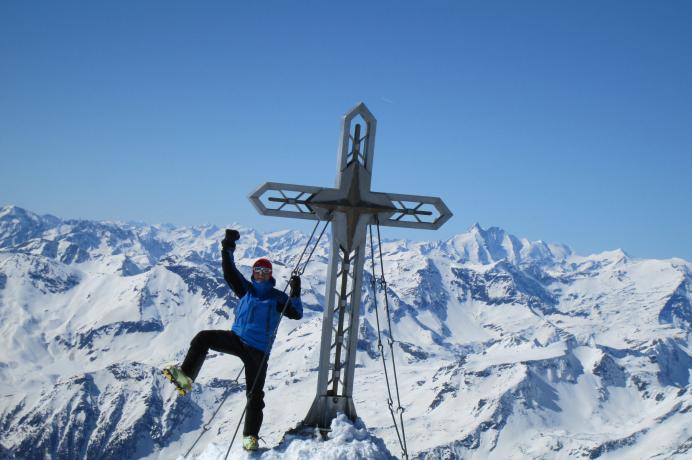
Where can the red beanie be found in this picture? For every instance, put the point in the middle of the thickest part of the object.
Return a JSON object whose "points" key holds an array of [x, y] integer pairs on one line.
{"points": [[263, 263]]}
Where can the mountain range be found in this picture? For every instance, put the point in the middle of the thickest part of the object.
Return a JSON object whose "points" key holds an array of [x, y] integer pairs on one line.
{"points": [[505, 347]]}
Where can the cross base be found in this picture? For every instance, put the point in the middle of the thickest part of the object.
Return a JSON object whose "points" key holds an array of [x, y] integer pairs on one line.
{"points": [[325, 408]]}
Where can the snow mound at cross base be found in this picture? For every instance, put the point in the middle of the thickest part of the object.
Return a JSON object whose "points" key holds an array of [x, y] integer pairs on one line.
{"points": [[346, 441]]}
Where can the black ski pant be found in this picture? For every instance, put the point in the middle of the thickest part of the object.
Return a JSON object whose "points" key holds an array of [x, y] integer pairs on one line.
{"points": [[229, 342]]}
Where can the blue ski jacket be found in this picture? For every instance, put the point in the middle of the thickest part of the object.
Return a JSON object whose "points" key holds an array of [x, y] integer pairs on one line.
{"points": [[259, 309]]}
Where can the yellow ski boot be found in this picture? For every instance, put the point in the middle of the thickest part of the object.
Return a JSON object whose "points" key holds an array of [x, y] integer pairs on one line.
{"points": [[250, 443], [182, 382]]}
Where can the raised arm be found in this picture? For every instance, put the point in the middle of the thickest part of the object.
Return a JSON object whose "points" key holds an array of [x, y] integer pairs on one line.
{"points": [[231, 274]]}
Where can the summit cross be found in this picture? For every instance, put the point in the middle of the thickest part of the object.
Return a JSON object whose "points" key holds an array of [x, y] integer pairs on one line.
{"points": [[351, 206]]}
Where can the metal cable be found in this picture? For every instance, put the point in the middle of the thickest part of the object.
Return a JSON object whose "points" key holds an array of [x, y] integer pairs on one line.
{"points": [[276, 329], [380, 347], [300, 272], [400, 409], [305, 248], [207, 426]]}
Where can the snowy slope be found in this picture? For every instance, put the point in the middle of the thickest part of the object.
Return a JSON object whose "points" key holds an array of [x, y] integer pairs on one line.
{"points": [[506, 348], [345, 441]]}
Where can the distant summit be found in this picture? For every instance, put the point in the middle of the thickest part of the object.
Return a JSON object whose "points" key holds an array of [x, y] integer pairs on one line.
{"points": [[483, 246], [18, 225]]}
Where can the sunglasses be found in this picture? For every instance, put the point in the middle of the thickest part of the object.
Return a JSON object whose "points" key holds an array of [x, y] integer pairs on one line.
{"points": [[262, 270]]}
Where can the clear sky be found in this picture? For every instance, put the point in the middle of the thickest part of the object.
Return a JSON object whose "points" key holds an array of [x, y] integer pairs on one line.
{"points": [[565, 121]]}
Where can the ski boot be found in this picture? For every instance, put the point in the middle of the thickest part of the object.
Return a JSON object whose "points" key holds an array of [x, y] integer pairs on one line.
{"points": [[182, 382], [250, 443]]}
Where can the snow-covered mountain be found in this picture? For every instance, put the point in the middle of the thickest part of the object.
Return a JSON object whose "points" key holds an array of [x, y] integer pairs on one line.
{"points": [[506, 348]]}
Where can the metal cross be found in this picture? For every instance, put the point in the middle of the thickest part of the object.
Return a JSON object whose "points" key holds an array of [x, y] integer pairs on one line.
{"points": [[350, 206]]}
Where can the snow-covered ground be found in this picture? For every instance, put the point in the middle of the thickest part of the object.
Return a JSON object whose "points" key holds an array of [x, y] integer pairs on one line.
{"points": [[505, 347], [346, 441]]}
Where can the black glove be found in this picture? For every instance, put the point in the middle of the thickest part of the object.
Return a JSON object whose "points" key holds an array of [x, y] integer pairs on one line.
{"points": [[295, 286], [229, 241]]}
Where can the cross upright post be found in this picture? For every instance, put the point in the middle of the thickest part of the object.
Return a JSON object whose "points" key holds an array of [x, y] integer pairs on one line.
{"points": [[351, 206]]}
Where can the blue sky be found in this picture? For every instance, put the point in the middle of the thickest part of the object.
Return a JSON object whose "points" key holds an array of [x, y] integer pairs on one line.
{"points": [[564, 121]]}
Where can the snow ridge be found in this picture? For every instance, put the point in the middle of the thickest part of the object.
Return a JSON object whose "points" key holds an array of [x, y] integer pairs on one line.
{"points": [[505, 347]]}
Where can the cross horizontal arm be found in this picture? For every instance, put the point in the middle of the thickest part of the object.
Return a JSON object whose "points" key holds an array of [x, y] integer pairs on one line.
{"points": [[286, 200], [415, 211]]}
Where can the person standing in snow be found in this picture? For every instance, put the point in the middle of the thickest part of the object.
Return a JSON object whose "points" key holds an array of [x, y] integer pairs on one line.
{"points": [[256, 317]]}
